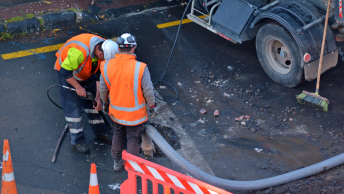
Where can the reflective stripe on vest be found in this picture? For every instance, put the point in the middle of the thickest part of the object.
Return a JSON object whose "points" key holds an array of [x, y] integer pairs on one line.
{"points": [[135, 92], [136, 85], [105, 72], [128, 109], [84, 46], [129, 122]]}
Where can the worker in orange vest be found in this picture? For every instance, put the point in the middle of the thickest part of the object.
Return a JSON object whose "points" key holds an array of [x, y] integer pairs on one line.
{"points": [[77, 66], [126, 86]]}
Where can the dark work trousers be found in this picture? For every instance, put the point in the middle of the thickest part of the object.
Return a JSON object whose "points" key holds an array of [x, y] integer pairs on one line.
{"points": [[133, 138], [72, 105]]}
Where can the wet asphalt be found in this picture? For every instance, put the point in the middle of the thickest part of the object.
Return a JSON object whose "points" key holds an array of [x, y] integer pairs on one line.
{"points": [[208, 72]]}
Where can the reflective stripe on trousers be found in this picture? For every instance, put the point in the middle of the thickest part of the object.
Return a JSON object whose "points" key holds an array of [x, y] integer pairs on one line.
{"points": [[72, 106]]}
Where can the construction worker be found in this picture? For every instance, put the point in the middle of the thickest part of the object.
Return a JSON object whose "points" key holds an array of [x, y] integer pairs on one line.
{"points": [[77, 66], [126, 86]]}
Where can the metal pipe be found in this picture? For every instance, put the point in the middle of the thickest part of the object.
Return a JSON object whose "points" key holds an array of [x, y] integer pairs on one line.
{"points": [[268, 6], [240, 185], [211, 13], [315, 22]]}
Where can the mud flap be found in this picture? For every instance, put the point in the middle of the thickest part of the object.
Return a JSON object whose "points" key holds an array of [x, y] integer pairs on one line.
{"points": [[329, 61], [232, 18]]}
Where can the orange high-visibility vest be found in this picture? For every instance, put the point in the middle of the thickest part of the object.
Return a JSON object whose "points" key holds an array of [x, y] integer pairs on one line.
{"points": [[82, 43], [123, 75]]}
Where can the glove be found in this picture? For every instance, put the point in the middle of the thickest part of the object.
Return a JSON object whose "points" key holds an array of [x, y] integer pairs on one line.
{"points": [[152, 110], [105, 107]]}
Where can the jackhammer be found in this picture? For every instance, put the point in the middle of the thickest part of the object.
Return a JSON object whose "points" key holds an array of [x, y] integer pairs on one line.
{"points": [[90, 97]]}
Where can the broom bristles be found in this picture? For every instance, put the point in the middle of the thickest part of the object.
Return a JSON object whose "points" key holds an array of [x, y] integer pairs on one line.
{"points": [[313, 101]]}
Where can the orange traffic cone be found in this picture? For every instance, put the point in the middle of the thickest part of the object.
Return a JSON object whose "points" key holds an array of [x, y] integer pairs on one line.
{"points": [[167, 190], [94, 187], [8, 184]]}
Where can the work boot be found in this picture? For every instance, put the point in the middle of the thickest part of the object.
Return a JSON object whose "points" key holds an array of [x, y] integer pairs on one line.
{"points": [[107, 137], [82, 148], [118, 166]]}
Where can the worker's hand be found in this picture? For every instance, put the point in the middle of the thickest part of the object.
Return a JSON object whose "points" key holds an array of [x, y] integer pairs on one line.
{"points": [[81, 91], [106, 107], [98, 106], [152, 110]]}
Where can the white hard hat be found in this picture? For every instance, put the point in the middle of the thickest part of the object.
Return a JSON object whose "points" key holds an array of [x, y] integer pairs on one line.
{"points": [[126, 40], [110, 48]]}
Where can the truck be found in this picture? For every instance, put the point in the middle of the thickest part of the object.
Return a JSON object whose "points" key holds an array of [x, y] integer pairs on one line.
{"points": [[288, 33]]}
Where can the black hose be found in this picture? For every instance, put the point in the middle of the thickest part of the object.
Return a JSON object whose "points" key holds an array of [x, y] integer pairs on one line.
{"points": [[51, 100], [67, 88], [169, 59]]}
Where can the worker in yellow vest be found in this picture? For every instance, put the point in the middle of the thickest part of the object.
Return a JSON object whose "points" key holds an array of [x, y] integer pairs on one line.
{"points": [[77, 66], [126, 86]]}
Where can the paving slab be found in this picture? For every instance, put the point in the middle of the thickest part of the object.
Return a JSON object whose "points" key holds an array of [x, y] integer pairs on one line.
{"points": [[10, 12]]}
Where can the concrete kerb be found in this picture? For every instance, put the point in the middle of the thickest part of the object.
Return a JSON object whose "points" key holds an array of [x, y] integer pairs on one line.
{"points": [[2, 28], [59, 20], [68, 18], [26, 26], [48, 21]]}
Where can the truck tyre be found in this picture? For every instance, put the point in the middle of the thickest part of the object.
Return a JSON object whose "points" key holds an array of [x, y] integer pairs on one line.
{"points": [[279, 55]]}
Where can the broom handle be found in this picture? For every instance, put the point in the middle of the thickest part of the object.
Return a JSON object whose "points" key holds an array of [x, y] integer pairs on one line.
{"points": [[322, 48]]}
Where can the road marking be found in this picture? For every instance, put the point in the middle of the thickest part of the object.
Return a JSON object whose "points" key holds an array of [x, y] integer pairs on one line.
{"points": [[56, 47], [29, 52], [188, 149], [175, 23], [115, 186]]}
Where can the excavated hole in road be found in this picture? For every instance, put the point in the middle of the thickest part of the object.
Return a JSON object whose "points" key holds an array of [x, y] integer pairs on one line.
{"points": [[170, 136]]}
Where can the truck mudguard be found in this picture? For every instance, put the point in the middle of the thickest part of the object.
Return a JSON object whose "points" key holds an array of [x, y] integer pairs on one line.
{"points": [[293, 15]]}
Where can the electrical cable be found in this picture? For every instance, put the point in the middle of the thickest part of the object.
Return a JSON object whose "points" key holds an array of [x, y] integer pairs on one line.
{"points": [[169, 59], [51, 100], [65, 87]]}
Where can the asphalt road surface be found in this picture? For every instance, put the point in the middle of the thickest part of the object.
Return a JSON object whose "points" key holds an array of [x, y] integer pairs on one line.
{"points": [[278, 136]]}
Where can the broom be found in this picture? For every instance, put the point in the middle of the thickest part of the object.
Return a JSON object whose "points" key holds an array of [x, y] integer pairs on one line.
{"points": [[314, 99]]}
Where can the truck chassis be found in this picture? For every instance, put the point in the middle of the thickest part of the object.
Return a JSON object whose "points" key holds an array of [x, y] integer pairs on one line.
{"points": [[288, 33]]}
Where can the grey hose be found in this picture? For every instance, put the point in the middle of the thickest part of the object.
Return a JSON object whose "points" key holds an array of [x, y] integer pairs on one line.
{"points": [[240, 185]]}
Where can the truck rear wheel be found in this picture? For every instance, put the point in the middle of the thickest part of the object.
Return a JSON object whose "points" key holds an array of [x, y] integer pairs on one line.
{"points": [[279, 55]]}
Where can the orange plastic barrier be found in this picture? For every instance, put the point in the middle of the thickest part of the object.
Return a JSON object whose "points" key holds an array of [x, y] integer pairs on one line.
{"points": [[8, 184], [168, 178], [94, 187]]}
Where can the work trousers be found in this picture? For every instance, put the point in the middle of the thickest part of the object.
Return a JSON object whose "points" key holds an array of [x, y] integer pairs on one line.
{"points": [[133, 138], [72, 105]]}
